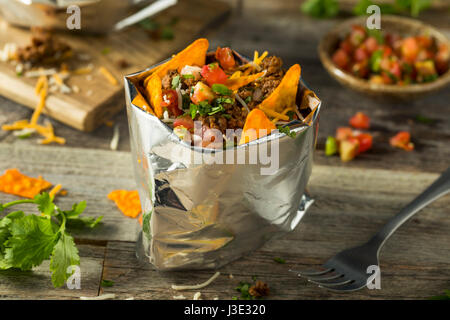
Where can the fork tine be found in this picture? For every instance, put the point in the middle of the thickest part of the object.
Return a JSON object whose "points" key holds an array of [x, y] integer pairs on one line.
{"points": [[314, 273], [322, 278], [329, 285], [347, 287]]}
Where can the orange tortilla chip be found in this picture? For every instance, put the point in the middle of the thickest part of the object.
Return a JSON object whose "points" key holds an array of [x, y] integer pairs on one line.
{"points": [[192, 55], [238, 82], [256, 125], [140, 101], [285, 94], [14, 182], [154, 92], [127, 201]]}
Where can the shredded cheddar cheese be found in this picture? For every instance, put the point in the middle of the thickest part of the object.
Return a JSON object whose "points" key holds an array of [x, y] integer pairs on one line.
{"points": [[14, 182], [274, 114], [55, 191], [127, 201], [46, 131], [108, 75]]}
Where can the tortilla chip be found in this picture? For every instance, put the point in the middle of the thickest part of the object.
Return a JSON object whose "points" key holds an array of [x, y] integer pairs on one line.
{"points": [[192, 55], [154, 92], [256, 120], [14, 182], [127, 201], [238, 82], [285, 94], [140, 101]]}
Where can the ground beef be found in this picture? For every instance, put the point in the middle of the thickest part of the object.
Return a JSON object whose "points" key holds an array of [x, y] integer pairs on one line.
{"points": [[44, 49], [260, 90], [167, 79]]}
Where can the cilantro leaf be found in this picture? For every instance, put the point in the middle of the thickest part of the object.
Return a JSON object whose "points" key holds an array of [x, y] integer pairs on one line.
{"points": [[77, 209], [64, 255], [31, 242], [79, 223], [221, 89], [320, 8], [279, 260], [107, 283], [45, 204], [175, 82], [287, 131]]}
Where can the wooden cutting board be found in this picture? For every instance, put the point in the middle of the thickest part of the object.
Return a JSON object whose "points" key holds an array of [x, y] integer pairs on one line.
{"points": [[98, 99]]}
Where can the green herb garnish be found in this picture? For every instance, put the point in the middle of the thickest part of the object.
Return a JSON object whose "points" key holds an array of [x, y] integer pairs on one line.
{"points": [[107, 283], [248, 99], [445, 296], [243, 288], [188, 76], [175, 82], [287, 131], [320, 8], [279, 260], [375, 60], [106, 50], [221, 89], [424, 120], [27, 240]]}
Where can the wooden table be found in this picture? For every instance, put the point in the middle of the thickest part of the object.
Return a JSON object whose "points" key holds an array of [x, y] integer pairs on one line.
{"points": [[352, 200]]}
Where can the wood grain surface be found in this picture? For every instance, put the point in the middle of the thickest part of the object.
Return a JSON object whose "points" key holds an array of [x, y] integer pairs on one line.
{"points": [[351, 204], [353, 200], [97, 99]]}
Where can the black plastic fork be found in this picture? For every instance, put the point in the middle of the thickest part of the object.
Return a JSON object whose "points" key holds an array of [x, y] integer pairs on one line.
{"points": [[348, 270]]}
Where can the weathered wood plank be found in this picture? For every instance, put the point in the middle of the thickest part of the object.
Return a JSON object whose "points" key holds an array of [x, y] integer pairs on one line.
{"points": [[37, 284], [265, 21], [415, 262], [87, 175]]}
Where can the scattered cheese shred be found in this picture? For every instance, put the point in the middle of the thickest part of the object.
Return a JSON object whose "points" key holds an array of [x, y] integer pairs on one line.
{"points": [[37, 112], [55, 191], [127, 201], [197, 296], [14, 182], [102, 297], [46, 131], [197, 286], [274, 114], [108, 75]]}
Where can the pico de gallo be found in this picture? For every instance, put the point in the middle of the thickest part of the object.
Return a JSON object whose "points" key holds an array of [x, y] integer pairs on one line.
{"points": [[221, 90], [387, 58]]}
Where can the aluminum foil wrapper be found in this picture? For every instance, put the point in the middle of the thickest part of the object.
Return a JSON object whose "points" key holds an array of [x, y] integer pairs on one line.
{"points": [[98, 16], [204, 215]]}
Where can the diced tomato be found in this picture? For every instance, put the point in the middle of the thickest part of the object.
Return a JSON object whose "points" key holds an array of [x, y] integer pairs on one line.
{"points": [[343, 133], [213, 74], [387, 51], [424, 41], [341, 59], [346, 46], [442, 58], [170, 101], [410, 49], [402, 140], [184, 121], [349, 149], [201, 93], [360, 54], [361, 69], [365, 142], [371, 44], [357, 35], [360, 121], [225, 57]]}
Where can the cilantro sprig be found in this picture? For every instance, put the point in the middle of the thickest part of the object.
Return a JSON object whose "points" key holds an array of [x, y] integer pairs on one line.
{"points": [[27, 240], [287, 131]]}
